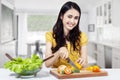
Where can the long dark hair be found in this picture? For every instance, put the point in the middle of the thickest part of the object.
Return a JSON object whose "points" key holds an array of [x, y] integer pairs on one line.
{"points": [[73, 35]]}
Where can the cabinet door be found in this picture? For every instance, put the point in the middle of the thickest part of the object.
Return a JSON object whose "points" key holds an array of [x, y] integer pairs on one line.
{"points": [[91, 53], [115, 58], [9, 48], [108, 57], [100, 56], [91, 49], [116, 13]]}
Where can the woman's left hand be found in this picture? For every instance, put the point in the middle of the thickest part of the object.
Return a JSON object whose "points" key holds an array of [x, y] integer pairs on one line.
{"points": [[82, 61]]}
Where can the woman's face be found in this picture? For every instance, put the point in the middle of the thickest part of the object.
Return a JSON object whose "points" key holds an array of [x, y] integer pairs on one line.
{"points": [[70, 19]]}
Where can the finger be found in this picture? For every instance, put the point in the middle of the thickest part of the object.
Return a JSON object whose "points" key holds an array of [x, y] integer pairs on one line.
{"points": [[66, 55], [82, 62], [63, 56], [79, 60]]}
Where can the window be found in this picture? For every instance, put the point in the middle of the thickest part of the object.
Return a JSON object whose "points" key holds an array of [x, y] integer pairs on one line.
{"points": [[7, 24], [40, 22]]}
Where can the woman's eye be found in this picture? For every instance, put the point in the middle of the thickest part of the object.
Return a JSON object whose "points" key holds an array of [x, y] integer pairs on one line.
{"points": [[77, 17], [70, 16]]}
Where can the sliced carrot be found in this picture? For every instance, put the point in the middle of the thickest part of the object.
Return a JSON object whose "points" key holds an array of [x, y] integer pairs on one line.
{"points": [[61, 68], [68, 70]]}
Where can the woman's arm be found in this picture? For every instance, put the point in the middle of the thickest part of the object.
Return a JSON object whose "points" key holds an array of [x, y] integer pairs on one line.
{"points": [[48, 53], [62, 52], [83, 58]]}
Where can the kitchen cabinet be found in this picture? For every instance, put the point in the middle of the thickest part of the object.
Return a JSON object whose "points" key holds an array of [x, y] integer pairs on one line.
{"points": [[115, 58], [91, 53], [108, 57], [104, 13], [107, 13], [9, 48], [7, 45], [0, 16], [107, 54], [100, 55], [115, 12], [91, 49]]}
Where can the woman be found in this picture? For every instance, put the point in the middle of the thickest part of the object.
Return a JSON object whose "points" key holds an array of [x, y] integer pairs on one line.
{"points": [[66, 40]]}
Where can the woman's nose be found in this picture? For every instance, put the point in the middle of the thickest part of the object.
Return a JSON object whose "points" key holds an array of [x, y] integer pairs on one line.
{"points": [[72, 20]]}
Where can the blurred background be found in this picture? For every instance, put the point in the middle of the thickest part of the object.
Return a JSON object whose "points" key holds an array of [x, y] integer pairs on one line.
{"points": [[23, 22]]}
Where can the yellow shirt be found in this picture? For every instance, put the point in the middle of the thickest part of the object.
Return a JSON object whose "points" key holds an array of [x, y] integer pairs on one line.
{"points": [[74, 55]]}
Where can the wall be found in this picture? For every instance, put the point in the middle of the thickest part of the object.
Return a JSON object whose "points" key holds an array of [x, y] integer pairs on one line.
{"points": [[49, 5], [84, 22], [9, 47], [92, 20], [22, 33]]}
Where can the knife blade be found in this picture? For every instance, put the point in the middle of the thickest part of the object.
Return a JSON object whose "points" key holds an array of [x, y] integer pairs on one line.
{"points": [[72, 63]]}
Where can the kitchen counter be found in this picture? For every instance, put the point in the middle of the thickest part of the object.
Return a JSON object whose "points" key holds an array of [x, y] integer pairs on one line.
{"points": [[113, 74], [108, 43]]}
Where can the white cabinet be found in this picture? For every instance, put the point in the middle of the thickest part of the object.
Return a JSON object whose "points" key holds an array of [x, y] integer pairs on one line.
{"points": [[91, 53], [115, 58], [91, 49], [116, 12], [104, 13], [107, 12], [100, 55], [7, 45], [108, 56], [9, 48]]}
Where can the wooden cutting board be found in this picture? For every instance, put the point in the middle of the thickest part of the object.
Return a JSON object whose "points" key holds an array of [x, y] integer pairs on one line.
{"points": [[82, 74]]}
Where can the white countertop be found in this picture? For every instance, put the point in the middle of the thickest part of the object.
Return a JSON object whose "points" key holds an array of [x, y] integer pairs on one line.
{"points": [[113, 74], [108, 43]]}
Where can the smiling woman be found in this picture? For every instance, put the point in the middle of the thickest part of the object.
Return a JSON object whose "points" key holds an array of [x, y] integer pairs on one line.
{"points": [[66, 40]]}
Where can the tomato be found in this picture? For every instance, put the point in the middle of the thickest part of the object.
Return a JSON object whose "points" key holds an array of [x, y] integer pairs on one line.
{"points": [[93, 68], [96, 68], [67, 70], [61, 68]]}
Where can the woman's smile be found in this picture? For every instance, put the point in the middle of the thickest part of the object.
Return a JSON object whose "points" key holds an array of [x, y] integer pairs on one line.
{"points": [[71, 24]]}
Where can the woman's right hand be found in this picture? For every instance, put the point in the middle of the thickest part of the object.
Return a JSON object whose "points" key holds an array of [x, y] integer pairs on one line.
{"points": [[63, 52]]}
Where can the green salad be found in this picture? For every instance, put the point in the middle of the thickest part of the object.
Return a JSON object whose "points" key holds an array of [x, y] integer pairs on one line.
{"points": [[19, 65]]}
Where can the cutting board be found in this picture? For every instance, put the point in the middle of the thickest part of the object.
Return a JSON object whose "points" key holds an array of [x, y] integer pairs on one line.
{"points": [[82, 74]]}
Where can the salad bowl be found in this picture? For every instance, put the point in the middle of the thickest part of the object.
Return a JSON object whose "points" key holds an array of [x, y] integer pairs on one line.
{"points": [[27, 66]]}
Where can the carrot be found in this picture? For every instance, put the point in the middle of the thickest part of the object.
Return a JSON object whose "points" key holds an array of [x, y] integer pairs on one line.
{"points": [[68, 70]]}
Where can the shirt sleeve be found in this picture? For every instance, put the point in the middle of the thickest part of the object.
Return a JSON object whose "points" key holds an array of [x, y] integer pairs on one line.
{"points": [[49, 37], [84, 39]]}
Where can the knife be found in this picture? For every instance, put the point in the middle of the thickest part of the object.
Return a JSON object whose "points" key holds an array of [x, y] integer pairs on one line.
{"points": [[72, 63]]}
